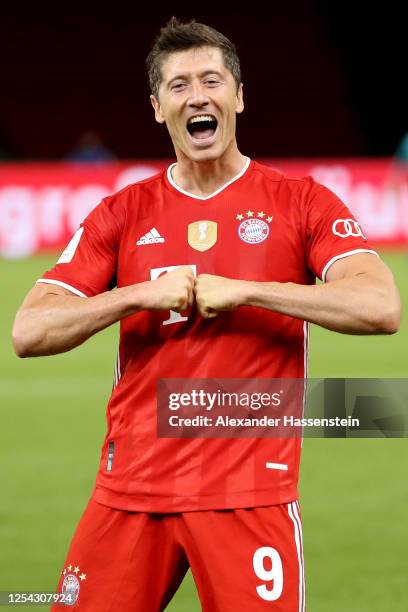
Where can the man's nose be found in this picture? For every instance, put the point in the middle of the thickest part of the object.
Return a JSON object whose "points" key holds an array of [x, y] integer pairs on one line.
{"points": [[198, 95]]}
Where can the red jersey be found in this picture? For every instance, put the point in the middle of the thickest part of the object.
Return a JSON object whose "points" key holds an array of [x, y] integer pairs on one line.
{"points": [[260, 226]]}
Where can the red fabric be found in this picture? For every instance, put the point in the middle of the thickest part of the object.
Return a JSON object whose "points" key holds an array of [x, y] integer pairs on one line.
{"points": [[134, 562], [293, 242]]}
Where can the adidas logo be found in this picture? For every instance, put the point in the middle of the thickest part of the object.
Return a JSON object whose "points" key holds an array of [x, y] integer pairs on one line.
{"points": [[152, 237]]}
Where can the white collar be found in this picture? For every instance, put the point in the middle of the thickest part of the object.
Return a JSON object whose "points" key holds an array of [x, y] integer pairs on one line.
{"points": [[197, 197]]}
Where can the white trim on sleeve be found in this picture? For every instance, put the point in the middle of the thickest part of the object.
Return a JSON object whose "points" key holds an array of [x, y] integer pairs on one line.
{"points": [[61, 284], [346, 254]]}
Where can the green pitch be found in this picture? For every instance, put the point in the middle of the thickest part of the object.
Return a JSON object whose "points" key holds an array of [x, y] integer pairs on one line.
{"points": [[353, 492]]}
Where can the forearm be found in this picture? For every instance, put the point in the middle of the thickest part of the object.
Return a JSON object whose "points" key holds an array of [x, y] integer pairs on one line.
{"points": [[51, 320], [59, 323], [351, 305]]}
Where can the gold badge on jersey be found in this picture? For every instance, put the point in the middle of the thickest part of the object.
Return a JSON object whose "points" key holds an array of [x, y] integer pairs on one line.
{"points": [[202, 235]]}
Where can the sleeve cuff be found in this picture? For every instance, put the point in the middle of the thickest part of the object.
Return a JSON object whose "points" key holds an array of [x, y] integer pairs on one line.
{"points": [[341, 256], [61, 284]]}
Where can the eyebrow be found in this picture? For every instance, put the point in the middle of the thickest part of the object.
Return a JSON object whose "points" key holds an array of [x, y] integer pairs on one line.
{"points": [[186, 77]]}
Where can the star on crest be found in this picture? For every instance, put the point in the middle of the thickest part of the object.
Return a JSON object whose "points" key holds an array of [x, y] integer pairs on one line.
{"points": [[76, 569], [250, 213]]}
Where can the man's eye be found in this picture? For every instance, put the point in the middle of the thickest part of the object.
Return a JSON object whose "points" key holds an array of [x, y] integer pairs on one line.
{"points": [[212, 82], [177, 86]]}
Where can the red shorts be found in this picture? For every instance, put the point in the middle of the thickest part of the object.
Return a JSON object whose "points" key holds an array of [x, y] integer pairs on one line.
{"points": [[246, 559]]}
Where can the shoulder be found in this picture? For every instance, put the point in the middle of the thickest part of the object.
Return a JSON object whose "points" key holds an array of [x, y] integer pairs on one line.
{"points": [[129, 192], [304, 184], [297, 192], [117, 206]]}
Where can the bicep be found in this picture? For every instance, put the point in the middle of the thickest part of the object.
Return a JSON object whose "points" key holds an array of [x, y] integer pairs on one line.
{"points": [[40, 291], [367, 264]]}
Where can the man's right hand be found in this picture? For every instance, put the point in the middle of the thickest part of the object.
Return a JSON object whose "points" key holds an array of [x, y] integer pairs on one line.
{"points": [[172, 291]]}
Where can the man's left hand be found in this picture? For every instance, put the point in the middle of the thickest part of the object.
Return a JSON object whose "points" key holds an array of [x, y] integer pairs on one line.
{"points": [[215, 294]]}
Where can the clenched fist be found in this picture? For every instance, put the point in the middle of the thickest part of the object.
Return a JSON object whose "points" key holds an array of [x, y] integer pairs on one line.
{"points": [[171, 291], [215, 294]]}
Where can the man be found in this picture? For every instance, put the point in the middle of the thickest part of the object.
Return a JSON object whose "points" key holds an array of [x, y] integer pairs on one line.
{"points": [[214, 264]]}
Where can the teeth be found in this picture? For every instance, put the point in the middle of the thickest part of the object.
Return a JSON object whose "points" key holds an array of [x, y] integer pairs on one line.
{"points": [[201, 118]]}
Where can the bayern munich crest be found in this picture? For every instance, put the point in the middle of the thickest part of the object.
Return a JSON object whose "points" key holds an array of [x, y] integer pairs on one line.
{"points": [[255, 227], [71, 584]]}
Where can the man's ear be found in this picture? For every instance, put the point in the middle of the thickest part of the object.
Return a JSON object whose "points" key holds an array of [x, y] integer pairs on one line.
{"points": [[240, 99], [157, 109]]}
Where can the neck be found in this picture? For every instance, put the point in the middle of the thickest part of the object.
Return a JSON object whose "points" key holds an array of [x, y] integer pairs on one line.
{"points": [[205, 177]]}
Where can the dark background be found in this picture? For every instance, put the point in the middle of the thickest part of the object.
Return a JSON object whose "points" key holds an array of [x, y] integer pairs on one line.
{"points": [[320, 78]]}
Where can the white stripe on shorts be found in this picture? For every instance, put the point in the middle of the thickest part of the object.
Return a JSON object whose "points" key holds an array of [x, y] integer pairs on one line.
{"points": [[295, 517], [276, 466]]}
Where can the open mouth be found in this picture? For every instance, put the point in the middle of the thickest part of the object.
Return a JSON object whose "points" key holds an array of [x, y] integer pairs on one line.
{"points": [[202, 127]]}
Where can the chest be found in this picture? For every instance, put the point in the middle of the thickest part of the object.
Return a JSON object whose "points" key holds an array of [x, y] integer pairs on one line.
{"points": [[242, 237]]}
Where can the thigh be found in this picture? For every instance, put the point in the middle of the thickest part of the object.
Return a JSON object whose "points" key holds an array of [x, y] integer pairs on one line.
{"points": [[247, 559], [127, 561]]}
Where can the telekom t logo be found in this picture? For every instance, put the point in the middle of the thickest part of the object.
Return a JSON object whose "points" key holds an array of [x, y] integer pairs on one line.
{"points": [[175, 317]]}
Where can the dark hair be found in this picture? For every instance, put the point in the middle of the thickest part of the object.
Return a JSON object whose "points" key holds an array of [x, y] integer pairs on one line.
{"points": [[178, 36]]}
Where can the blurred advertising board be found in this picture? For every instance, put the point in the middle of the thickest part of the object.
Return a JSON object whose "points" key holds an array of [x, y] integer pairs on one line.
{"points": [[42, 204]]}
